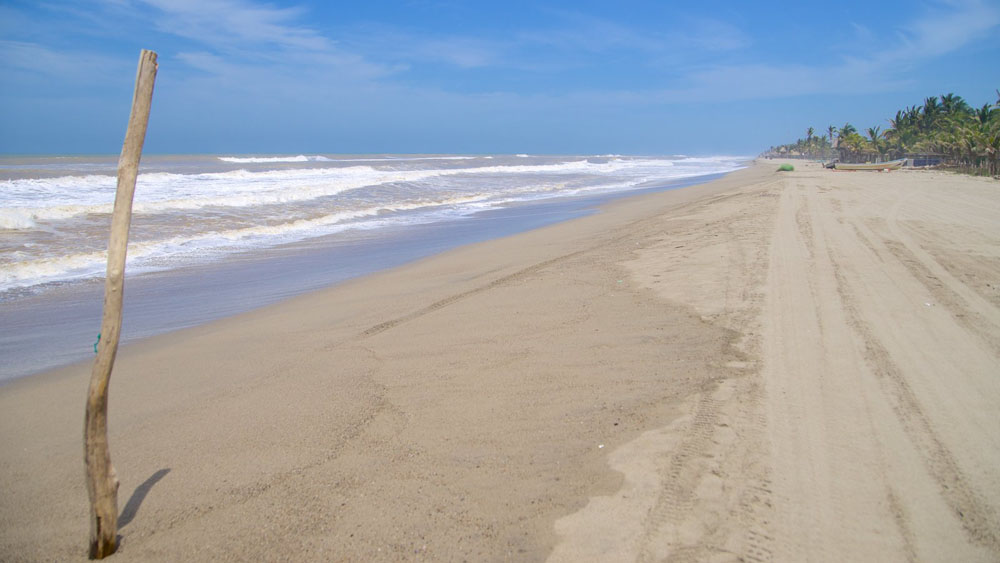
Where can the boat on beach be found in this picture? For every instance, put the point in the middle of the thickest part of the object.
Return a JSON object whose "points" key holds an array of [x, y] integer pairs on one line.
{"points": [[890, 165]]}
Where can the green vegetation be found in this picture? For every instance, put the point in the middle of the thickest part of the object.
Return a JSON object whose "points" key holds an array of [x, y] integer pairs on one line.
{"points": [[811, 146], [964, 138]]}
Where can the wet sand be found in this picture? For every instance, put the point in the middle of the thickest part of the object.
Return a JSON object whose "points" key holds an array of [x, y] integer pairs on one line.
{"points": [[771, 366]]}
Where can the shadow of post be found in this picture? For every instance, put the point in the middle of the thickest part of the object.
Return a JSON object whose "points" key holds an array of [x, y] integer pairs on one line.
{"points": [[132, 506]]}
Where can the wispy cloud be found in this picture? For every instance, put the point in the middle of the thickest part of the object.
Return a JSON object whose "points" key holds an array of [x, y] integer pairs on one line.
{"points": [[581, 33], [258, 43], [231, 25], [394, 46], [944, 29], [713, 35], [572, 40], [937, 32], [763, 81], [35, 59]]}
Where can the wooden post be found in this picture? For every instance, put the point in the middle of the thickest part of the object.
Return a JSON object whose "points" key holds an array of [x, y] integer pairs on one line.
{"points": [[102, 483]]}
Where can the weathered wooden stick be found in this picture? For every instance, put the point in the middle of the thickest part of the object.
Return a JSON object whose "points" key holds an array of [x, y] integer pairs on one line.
{"points": [[102, 483]]}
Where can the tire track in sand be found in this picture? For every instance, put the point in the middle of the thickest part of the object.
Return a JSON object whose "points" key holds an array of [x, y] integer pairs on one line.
{"points": [[976, 517]]}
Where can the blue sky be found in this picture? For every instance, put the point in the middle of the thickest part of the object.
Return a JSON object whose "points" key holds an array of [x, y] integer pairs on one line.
{"points": [[707, 77]]}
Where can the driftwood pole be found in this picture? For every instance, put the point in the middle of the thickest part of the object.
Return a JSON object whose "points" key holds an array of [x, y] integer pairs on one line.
{"points": [[102, 483]]}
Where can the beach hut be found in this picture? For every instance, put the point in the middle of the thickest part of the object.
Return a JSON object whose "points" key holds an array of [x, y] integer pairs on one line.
{"points": [[921, 160]]}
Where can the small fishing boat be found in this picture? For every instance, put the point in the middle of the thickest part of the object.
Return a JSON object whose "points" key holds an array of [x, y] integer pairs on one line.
{"points": [[890, 165]]}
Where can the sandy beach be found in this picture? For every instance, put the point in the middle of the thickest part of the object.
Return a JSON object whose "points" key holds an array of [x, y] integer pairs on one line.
{"points": [[769, 367]]}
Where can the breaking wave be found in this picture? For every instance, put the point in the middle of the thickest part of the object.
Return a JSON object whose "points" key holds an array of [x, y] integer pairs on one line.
{"points": [[272, 159], [55, 227]]}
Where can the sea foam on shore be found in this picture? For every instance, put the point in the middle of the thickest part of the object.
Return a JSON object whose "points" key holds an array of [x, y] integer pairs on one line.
{"points": [[54, 211]]}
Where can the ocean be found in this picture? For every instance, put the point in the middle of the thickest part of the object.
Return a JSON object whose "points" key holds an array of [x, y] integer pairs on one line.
{"points": [[214, 235]]}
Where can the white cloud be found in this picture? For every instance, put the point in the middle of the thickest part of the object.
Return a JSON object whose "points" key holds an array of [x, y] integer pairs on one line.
{"points": [[758, 81], [255, 41], [714, 35], [228, 24], [206, 62], [572, 41], [72, 65], [945, 29], [466, 52], [936, 33], [584, 34]]}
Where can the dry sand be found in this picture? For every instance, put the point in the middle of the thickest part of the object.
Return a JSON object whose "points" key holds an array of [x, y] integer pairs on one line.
{"points": [[770, 367]]}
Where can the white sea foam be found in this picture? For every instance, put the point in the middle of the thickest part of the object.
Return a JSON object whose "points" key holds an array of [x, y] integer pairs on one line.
{"points": [[456, 157], [319, 158], [31, 200], [17, 219], [156, 255], [182, 218], [272, 159]]}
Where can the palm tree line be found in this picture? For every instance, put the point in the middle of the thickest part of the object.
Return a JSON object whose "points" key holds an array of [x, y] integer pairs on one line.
{"points": [[947, 127]]}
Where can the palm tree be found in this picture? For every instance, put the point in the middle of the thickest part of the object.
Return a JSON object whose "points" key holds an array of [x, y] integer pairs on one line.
{"points": [[984, 114], [967, 138], [932, 109], [897, 122], [902, 134], [849, 143], [993, 152], [873, 137], [952, 104]]}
